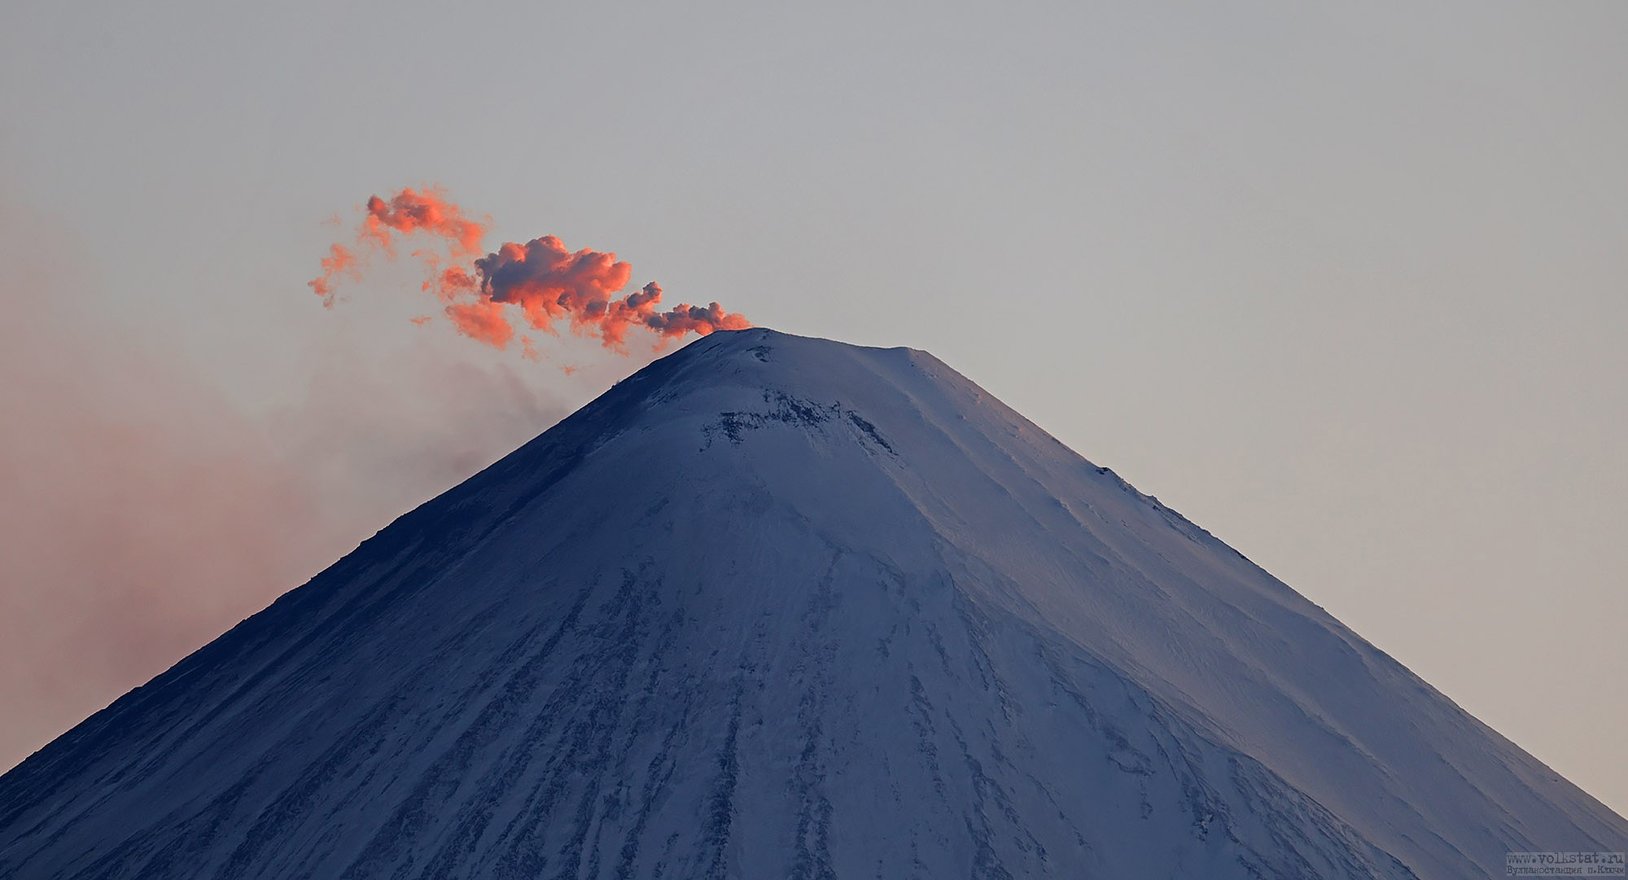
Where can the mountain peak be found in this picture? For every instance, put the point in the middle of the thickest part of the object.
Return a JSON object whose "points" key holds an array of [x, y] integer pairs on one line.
{"points": [[780, 606], [762, 357]]}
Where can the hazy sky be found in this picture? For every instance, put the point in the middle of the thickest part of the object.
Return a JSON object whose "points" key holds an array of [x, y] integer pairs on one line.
{"points": [[1348, 287]]}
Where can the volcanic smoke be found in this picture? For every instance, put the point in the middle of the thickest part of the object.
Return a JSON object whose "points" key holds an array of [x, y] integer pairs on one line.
{"points": [[547, 281]]}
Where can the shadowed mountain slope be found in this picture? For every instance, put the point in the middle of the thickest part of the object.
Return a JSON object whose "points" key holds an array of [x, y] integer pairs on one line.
{"points": [[783, 607]]}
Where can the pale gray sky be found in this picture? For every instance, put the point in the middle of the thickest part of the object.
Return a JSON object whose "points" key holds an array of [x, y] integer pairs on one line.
{"points": [[1347, 286]]}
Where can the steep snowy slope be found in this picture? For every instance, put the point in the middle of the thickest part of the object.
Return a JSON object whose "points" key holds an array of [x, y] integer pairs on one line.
{"points": [[773, 607]]}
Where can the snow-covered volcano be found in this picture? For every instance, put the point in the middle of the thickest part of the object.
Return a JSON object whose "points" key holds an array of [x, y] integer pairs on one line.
{"points": [[783, 607]]}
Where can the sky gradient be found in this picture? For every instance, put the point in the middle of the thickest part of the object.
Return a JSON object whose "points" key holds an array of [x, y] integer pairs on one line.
{"points": [[1347, 287]]}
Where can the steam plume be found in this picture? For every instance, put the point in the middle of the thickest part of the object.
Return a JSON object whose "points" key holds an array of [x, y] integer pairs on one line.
{"points": [[409, 211], [543, 280]]}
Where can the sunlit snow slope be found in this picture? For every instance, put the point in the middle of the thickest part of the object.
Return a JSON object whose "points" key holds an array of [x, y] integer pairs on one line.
{"points": [[782, 607]]}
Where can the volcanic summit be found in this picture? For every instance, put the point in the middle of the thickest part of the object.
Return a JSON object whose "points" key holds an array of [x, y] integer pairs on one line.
{"points": [[784, 607]]}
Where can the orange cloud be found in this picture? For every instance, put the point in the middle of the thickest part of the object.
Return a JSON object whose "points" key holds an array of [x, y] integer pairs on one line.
{"points": [[482, 321], [547, 282], [410, 211], [340, 260]]}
